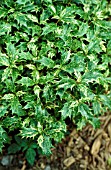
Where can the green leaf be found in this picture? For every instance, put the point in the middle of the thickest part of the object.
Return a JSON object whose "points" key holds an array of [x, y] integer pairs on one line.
{"points": [[91, 77], [14, 148], [29, 132], [21, 18], [96, 107], [3, 110], [51, 27], [36, 30], [16, 107], [81, 123], [95, 122], [66, 83], [8, 96], [106, 100], [82, 29], [25, 81], [3, 12], [37, 90], [53, 9], [66, 111], [40, 140], [11, 49], [66, 15], [84, 110], [30, 156], [12, 122], [3, 138], [25, 56], [29, 105], [45, 144], [4, 60], [21, 142], [47, 1], [32, 18], [33, 145], [46, 62], [15, 74], [5, 28], [108, 47], [22, 1]]}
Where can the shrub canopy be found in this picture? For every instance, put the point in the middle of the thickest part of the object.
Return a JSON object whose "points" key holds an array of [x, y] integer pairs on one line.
{"points": [[55, 63]]}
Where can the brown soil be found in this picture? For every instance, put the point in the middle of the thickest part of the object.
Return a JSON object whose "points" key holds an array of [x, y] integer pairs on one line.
{"points": [[88, 149]]}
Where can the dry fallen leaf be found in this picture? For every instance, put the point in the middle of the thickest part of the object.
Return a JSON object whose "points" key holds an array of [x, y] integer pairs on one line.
{"points": [[109, 147], [71, 143], [105, 135], [107, 121], [109, 130], [98, 132], [86, 147], [68, 150], [73, 133], [69, 161], [96, 145]]}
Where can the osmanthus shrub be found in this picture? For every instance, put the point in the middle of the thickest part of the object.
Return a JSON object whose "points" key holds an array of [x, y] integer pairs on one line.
{"points": [[55, 63]]}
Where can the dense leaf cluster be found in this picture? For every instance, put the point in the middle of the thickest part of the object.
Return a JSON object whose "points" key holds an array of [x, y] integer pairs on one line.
{"points": [[55, 63]]}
